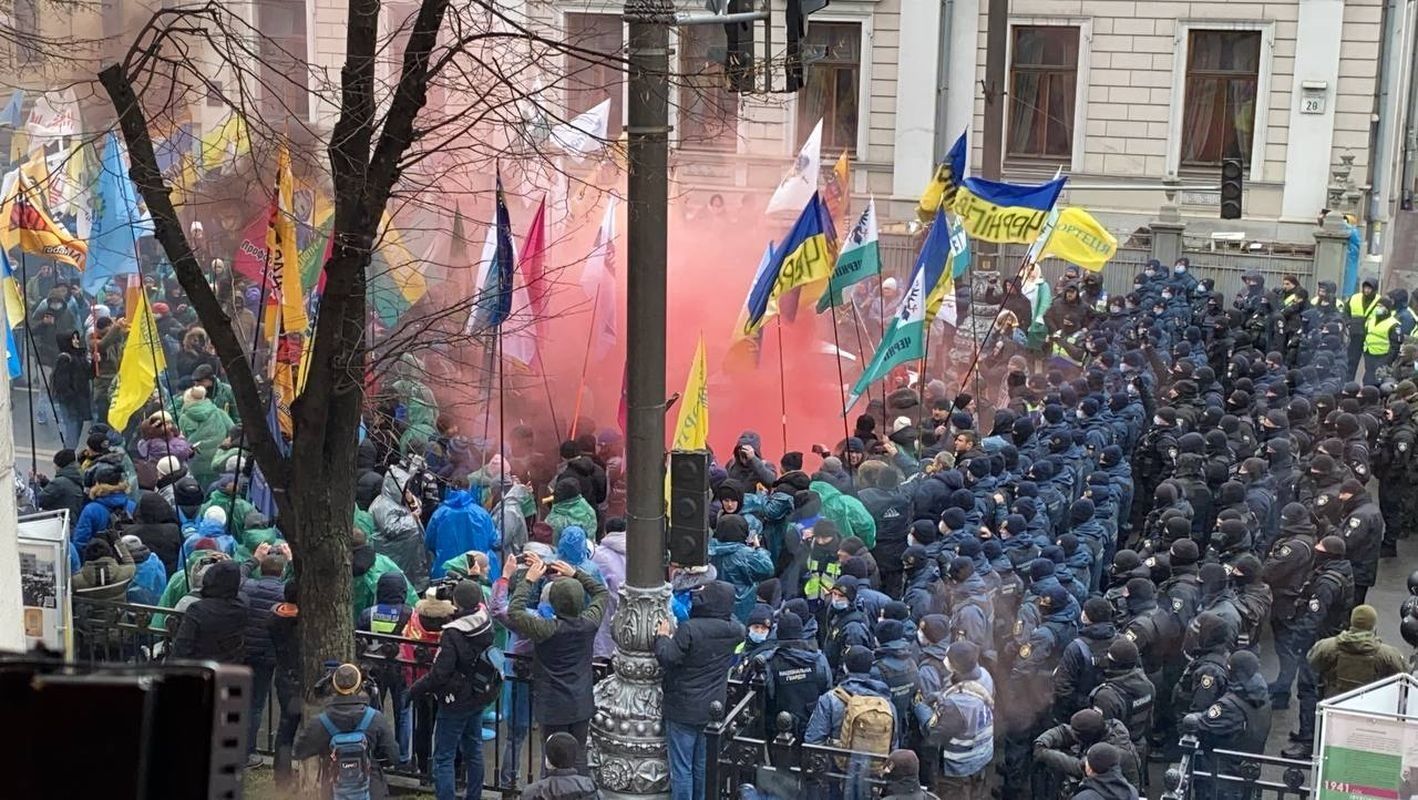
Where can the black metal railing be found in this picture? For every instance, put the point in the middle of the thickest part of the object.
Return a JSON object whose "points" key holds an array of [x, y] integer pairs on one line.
{"points": [[112, 631], [1204, 774], [117, 632], [777, 763]]}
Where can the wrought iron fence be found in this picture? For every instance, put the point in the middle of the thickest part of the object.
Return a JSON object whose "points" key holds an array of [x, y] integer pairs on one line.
{"points": [[746, 752], [118, 632], [1228, 775]]}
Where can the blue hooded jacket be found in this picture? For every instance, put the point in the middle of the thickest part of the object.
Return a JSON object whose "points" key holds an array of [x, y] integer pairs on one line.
{"points": [[460, 525], [572, 549], [93, 519], [149, 581], [207, 529]]}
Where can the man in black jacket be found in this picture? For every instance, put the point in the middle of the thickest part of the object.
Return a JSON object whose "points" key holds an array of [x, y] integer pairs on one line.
{"points": [[345, 713], [460, 705], [261, 592], [214, 627], [65, 491], [562, 781], [696, 660], [562, 691]]}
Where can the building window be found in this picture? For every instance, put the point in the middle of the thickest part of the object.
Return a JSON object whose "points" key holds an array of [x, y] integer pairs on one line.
{"points": [[284, 69], [1218, 118], [401, 19], [589, 80], [708, 111], [832, 70], [1043, 83]]}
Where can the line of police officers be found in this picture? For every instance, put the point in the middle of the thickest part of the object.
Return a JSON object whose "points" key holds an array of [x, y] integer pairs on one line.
{"points": [[1113, 549]]}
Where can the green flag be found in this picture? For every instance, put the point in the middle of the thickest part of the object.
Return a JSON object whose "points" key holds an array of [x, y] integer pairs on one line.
{"points": [[860, 259]]}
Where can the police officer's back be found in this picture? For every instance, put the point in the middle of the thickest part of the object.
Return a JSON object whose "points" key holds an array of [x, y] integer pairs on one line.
{"points": [[1084, 659], [1240, 719], [1126, 694], [795, 674]]}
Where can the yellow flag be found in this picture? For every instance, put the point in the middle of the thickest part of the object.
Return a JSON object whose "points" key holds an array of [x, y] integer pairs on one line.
{"points": [[138, 370], [282, 249], [224, 143], [1080, 239], [30, 225], [692, 427]]}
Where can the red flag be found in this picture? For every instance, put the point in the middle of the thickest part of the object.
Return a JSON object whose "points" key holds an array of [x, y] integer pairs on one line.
{"points": [[250, 257], [533, 262]]}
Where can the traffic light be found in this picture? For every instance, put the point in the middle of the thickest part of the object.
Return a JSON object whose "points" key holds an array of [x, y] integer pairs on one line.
{"points": [[1232, 183], [795, 20], [689, 508], [738, 54]]}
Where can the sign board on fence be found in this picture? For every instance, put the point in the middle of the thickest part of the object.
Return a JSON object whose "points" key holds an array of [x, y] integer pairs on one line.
{"points": [[1365, 757], [44, 581]]}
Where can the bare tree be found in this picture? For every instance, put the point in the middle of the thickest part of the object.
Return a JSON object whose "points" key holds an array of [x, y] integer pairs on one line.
{"points": [[384, 146]]}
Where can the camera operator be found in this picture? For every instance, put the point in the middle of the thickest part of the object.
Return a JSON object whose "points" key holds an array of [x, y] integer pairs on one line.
{"points": [[464, 678], [352, 738]]}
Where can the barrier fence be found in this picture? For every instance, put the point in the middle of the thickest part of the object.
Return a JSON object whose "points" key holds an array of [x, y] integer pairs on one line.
{"points": [[745, 750]]}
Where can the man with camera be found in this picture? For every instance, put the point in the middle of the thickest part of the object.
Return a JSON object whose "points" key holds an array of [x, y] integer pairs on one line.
{"points": [[351, 738], [465, 676]]}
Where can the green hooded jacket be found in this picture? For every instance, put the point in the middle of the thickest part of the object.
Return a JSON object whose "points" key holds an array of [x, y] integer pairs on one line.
{"points": [[851, 516], [575, 511], [205, 426]]}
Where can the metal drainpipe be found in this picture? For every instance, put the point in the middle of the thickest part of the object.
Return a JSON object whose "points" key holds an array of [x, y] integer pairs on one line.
{"points": [[943, 134], [1382, 131]]}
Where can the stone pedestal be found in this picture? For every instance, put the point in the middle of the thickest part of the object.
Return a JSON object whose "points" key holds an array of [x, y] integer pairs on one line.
{"points": [[1167, 229], [627, 748], [1331, 249]]}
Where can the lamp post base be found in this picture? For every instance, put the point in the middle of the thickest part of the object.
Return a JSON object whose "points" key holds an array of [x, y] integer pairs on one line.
{"points": [[627, 753]]}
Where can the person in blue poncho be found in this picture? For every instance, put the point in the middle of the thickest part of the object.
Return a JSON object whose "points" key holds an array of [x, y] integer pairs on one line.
{"points": [[572, 549], [460, 525], [149, 575]]}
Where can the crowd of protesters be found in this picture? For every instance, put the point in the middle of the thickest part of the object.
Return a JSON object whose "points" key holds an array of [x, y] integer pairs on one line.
{"points": [[1167, 475]]}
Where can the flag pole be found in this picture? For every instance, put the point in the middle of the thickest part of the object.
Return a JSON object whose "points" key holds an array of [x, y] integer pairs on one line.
{"points": [[841, 379], [29, 363], [782, 387], [1024, 263], [29, 334], [585, 362]]}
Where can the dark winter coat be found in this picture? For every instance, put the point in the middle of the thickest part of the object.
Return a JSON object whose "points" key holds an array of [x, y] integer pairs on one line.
{"points": [[562, 645], [260, 593], [1108, 786], [697, 657], [214, 628], [462, 644], [345, 713], [65, 491], [562, 784], [155, 523], [71, 378]]}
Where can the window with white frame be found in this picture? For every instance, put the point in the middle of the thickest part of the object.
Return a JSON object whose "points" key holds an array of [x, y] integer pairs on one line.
{"points": [[708, 111], [594, 71], [1043, 90], [832, 71], [1219, 106]]}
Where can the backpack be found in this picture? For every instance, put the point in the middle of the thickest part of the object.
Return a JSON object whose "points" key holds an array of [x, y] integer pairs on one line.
{"points": [[118, 520], [485, 677], [348, 770], [867, 724]]}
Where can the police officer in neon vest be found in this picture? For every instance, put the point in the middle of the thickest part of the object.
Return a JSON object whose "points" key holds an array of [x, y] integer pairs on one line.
{"points": [[1359, 308], [1382, 338]]}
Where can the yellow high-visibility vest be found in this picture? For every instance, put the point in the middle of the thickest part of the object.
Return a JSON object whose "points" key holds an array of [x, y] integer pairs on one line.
{"points": [[1376, 335], [1358, 310]]}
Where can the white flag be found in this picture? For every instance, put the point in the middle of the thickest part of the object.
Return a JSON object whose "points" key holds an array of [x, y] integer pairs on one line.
{"points": [[797, 188], [585, 134], [54, 114], [599, 284]]}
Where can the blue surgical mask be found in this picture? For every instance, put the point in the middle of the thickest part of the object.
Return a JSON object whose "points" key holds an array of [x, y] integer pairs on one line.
{"points": [[757, 637], [839, 603]]}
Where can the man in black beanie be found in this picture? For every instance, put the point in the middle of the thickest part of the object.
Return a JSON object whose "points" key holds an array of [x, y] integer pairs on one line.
{"points": [[1060, 751], [65, 490], [868, 701], [903, 777], [1104, 778], [562, 781]]}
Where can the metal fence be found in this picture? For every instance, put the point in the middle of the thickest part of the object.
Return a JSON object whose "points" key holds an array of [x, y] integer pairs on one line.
{"points": [[748, 750], [117, 632], [1228, 775]]}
